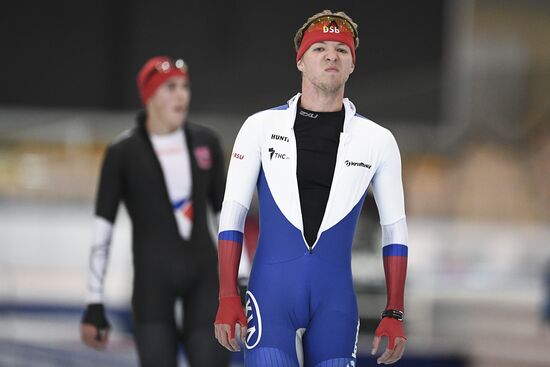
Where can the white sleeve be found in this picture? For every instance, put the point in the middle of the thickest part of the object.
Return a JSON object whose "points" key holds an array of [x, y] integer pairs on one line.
{"points": [[244, 165], [99, 256], [395, 233], [232, 217], [387, 185]]}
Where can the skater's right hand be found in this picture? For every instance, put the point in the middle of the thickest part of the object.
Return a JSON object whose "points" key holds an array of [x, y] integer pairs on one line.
{"points": [[94, 328], [230, 314]]}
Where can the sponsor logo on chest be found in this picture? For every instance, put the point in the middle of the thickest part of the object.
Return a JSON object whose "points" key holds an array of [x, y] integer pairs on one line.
{"points": [[279, 137], [277, 155], [349, 163]]}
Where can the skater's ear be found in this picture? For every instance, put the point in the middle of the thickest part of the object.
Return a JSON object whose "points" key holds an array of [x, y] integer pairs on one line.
{"points": [[300, 65]]}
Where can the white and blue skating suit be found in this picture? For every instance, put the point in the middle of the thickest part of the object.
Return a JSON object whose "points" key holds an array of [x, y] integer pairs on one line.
{"points": [[300, 305]]}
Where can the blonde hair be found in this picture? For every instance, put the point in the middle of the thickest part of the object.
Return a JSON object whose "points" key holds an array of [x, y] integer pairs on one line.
{"points": [[324, 13]]}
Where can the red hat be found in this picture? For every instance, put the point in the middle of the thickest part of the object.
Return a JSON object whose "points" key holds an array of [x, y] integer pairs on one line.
{"points": [[155, 72], [328, 28]]}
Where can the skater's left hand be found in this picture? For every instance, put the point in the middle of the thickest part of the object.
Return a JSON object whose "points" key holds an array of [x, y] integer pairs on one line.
{"points": [[393, 330]]}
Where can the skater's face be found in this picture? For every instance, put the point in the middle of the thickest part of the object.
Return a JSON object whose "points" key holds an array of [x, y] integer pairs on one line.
{"points": [[170, 103], [327, 65]]}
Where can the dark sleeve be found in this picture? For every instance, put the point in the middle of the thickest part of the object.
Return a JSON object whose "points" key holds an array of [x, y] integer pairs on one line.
{"points": [[109, 190], [217, 184]]}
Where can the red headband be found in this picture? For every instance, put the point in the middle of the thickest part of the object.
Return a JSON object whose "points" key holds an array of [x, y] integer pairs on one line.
{"points": [[327, 28], [155, 72]]}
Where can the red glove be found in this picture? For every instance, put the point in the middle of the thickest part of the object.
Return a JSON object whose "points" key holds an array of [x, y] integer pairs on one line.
{"points": [[392, 328], [230, 312]]}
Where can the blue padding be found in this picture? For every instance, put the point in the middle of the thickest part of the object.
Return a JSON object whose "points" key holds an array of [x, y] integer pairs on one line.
{"points": [[395, 250], [337, 362], [235, 236], [281, 107], [272, 357]]}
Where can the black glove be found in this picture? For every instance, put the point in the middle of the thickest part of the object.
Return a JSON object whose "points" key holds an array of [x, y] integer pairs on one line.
{"points": [[95, 315]]}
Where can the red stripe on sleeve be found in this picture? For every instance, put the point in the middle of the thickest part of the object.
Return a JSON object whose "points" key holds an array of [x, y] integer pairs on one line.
{"points": [[229, 258], [395, 269]]}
